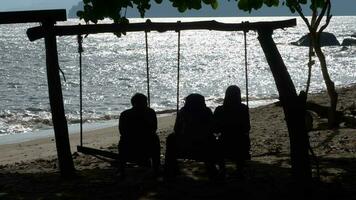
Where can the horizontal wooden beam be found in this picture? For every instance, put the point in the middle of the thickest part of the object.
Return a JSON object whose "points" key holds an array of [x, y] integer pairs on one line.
{"points": [[33, 16], [39, 32]]}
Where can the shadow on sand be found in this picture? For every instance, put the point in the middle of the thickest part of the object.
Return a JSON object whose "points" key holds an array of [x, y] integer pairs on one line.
{"points": [[261, 181]]}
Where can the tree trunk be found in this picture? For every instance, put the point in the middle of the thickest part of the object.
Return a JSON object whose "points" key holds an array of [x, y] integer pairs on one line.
{"points": [[310, 66], [65, 160], [293, 106], [330, 86]]}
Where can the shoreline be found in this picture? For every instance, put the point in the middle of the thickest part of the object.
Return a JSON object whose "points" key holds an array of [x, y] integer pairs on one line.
{"points": [[43, 146], [73, 128], [96, 125]]}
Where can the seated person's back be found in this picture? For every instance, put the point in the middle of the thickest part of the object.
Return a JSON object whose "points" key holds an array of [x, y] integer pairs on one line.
{"points": [[137, 127], [137, 123], [193, 127], [192, 137], [233, 122], [194, 120]]}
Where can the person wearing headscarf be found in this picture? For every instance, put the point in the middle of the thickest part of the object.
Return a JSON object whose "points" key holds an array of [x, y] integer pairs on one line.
{"points": [[232, 123], [193, 137]]}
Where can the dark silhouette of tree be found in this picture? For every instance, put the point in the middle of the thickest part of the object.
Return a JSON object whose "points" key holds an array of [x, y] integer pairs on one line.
{"points": [[320, 9]]}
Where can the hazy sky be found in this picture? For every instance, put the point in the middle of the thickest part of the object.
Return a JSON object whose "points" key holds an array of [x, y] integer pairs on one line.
{"points": [[339, 7], [35, 4]]}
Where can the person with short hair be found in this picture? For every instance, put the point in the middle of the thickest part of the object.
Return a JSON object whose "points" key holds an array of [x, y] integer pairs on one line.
{"points": [[138, 138]]}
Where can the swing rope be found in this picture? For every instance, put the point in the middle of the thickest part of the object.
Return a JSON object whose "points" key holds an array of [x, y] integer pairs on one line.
{"points": [[246, 61], [178, 71], [80, 51], [147, 72], [246, 68]]}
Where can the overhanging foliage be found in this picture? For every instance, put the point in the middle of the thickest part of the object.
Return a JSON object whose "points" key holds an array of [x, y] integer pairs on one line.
{"points": [[95, 10]]}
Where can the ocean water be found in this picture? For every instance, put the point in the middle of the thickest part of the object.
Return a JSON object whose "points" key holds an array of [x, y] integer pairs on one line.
{"points": [[115, 68]]}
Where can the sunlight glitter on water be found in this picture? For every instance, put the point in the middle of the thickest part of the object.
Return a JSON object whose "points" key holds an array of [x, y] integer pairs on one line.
{"points": [[115, 68]]}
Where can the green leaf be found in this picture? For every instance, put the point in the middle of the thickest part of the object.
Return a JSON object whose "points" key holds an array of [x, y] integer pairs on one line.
{"points": [[302, 1], [195, 4], [180, 5], [214, 4], [317, 4], [80, 14], [257, 4], [243, 5], [182, 8], [271, 3]]}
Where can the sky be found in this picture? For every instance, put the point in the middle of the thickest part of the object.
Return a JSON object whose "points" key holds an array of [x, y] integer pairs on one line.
{"points": [[339, 7], [10, 5]]}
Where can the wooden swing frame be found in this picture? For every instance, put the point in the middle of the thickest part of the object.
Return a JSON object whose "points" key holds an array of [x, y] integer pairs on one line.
{"points": [[292, 105]]}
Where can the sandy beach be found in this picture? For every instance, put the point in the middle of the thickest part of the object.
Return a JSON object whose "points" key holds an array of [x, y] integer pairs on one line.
{"points": [[28, 170]]}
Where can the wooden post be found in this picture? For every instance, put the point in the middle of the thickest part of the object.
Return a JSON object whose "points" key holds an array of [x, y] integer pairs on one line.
{"points": [[293, 107], [65, 160]]}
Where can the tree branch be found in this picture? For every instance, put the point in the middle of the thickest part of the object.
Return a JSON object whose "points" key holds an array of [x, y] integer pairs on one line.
{"points": [[322, 14], [299, 11], [314, 15], [328, 17]]}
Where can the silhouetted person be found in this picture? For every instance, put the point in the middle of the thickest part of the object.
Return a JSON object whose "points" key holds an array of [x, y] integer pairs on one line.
{"points": [[232, 121], [193, 137], [138, 138]]}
